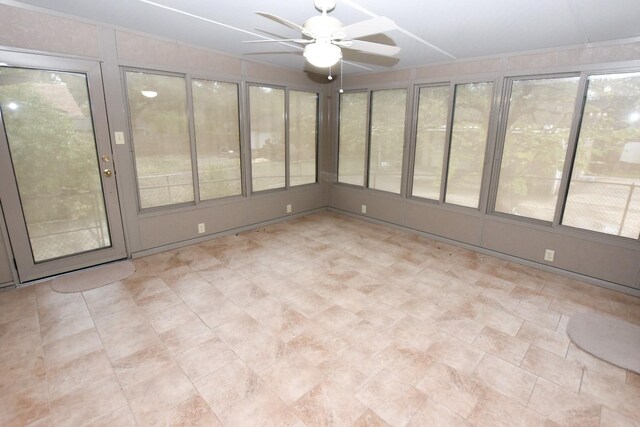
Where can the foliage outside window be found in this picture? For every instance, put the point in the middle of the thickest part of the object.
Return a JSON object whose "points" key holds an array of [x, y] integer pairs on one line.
{"points": [[352, 138], [160, 130], [303, 129], [535, 145], [266, 105], [469, 132], [388, 110], [431, 132], [217, 133], [48, 124], [604, 191]]}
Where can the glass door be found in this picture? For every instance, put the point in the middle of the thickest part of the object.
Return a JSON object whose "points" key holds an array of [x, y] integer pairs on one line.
{"points": [[57, 187]]}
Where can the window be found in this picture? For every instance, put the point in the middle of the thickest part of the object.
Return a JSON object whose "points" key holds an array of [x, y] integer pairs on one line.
{"points": [[217, 133], [431, 133], [469, 131], [604, 193], [352, 138], [535, 143], [388, 109], [160, 131], [303, 131], [267, 107]]}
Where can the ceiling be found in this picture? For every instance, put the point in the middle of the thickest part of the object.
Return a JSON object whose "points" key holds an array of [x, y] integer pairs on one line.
{"points": [[430, 30]]}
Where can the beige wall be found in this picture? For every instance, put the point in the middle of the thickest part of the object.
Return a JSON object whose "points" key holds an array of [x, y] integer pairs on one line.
{"points": [[602, 258]]}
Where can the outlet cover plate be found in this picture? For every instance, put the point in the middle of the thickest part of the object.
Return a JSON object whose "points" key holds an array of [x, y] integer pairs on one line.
{"points": [[549, 254]]}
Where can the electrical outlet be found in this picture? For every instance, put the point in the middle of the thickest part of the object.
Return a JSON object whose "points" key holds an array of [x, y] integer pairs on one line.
{"points": [[288, 208], [201, 228], [549, 255], [364, 209]]}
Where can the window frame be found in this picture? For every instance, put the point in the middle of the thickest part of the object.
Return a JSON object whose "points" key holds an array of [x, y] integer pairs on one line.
{"points": [[366, 140], [488, 160], [188, 77], [189, 113], [287, 139], [241, 135], [570, 155], [573, 150], [317, 142], [406, 145], [500, 139]]}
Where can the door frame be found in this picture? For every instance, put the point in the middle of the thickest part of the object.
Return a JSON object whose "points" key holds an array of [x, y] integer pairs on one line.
{"points": [[18, 237]]}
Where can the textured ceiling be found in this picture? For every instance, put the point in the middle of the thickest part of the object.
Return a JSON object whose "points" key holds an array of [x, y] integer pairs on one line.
{"points": [[430, 30]]}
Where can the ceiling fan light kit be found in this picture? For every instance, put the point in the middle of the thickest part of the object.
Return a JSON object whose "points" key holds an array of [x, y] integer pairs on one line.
{"points": [[324, 36], [322, 54]]}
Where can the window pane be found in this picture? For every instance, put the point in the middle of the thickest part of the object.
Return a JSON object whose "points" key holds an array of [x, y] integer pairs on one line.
{"points": [[352, 138], [267, 137], [47, 118], [471, 111], [158, 110], [215, 111], [303, 128], [540, 114], [431, 132], [387, 139], [604, 193]]}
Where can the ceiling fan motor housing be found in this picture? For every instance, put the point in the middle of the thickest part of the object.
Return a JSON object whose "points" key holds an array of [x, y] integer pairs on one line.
{"points": [[322, 26]]}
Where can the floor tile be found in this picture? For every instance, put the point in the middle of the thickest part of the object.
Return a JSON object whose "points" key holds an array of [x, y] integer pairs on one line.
{"points": [[558, 370], [505, 378], [391, 399], [618, 396], [562, 406], [186, 336], [504, 346], [291, 377], [436, 415], [142, 365], [201, 360], [548, 339], [328, 404], [456, 391]]}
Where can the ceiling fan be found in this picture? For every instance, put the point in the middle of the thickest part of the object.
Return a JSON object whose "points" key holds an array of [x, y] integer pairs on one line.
{"points": [[325, 36]]}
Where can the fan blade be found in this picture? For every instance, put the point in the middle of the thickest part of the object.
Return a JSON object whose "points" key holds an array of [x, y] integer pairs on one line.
{"points": [[368, 47], [302, 41], [366, 28], [281, 20]]}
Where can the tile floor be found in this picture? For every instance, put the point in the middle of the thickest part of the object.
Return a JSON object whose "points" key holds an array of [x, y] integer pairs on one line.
{"points": [[321, 320]]}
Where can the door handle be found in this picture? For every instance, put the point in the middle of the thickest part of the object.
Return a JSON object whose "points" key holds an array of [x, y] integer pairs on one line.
{"points": [[107, 172]]}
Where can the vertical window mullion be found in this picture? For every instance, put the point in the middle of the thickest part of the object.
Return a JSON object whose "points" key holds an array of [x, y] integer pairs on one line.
{"points": [[192, 140], [367, 140], [447, 144], [287, 140], [492, 136], [571, 148], [500, 137]]}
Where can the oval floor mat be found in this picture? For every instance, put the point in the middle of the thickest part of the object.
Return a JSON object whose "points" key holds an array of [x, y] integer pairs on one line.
{"points": [[94, 277], [609, 338]]}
